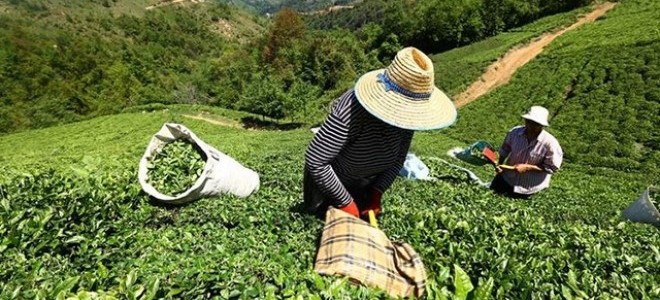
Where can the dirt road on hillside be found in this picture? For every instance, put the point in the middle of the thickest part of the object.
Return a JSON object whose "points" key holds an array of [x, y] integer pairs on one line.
{"points": [[170, 2], [500, 72], [225, 123], [328, 10]]}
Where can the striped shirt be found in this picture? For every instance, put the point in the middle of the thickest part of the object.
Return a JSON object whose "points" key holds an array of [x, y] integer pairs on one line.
{"points": [[544, 152], [352, 145]]}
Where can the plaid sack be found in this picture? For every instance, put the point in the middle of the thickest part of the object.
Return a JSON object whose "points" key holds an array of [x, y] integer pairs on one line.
{"points": [[351, 247]]}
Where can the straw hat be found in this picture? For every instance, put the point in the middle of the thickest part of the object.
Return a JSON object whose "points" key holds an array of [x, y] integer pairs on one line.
{"points": [[404, 94], [538, 114]]}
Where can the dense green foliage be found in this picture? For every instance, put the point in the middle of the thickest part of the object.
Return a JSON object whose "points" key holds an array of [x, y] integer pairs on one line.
{"points": [[74, 221], [77, 222], [62, 61], [175, 168], [435, 25], [601, 84], [65, 67], [273, 6], [60, 68]]}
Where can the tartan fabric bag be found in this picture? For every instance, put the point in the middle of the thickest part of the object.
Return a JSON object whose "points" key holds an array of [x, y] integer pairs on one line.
{"points": [[351, 247]]}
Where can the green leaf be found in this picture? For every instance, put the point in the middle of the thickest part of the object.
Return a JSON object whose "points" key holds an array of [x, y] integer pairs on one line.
{"points": [[138, 290], [656, 252], [5, 204], [15, 293], [234, 294], [75, 240], [80, 171], [462, 284], [443, 274], [126, 286], [83, 295], [572, 280], [174, 292], [566, 292], [484, 290], [65, 287], [152, 290], [102, 271], [318, 282], [573, 284]]}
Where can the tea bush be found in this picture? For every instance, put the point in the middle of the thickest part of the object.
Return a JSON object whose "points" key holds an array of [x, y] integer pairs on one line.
{"points": [[80, 226]]}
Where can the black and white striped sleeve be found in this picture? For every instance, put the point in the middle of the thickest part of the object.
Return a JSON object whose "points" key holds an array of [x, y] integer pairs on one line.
{"points": [[385, 180], [326, 145]]}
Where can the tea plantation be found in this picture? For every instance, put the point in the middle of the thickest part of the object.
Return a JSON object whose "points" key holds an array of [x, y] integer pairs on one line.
{"points": [[75, 224], [601, 83]]}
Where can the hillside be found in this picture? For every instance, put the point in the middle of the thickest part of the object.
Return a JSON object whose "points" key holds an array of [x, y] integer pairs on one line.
{"points": [[75, 224], [66, 61], [273, 6], [72, 210], [283, 66], [439, 25], [456, 69], [600, 83], [500, 72]]}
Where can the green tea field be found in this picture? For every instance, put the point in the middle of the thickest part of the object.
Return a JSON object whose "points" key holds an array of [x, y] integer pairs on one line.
{"points": [[76, 224]]}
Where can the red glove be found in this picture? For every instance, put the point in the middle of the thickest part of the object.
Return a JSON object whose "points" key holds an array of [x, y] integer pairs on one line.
{"points": [[351, 208], [374, 203]]}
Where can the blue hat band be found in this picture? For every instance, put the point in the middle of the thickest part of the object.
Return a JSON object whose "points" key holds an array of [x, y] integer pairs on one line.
{"points": [[392, 86]]}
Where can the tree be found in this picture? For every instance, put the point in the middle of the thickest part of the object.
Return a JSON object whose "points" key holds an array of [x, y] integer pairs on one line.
{"points": [[264, 96], [287, 27]]}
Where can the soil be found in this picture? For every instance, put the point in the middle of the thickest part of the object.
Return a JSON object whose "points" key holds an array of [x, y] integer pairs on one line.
{"points": [[500, 72]]}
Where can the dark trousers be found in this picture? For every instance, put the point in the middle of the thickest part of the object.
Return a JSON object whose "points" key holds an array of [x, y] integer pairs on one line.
{"points": [[317, 203], [500, 186]]}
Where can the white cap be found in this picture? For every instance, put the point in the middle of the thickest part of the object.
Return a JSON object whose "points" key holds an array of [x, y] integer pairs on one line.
{"points": [[538, 114]]}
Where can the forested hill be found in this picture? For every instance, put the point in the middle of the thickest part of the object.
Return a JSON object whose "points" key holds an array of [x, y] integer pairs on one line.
{"points": [[273, 6], [76, 224], [438, 25], [260, 7], [63, 61]]}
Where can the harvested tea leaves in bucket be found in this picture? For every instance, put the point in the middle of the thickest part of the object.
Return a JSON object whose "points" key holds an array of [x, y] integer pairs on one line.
{"points": [[161, 171], [175, 168]]}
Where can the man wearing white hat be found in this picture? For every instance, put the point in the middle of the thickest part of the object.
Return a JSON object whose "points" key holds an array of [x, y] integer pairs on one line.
{"points": [[359, 150], [533, 152]]}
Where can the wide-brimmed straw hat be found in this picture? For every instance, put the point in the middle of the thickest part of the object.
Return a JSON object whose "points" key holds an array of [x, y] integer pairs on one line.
{"points": [[538, 114], [404, 94]]}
